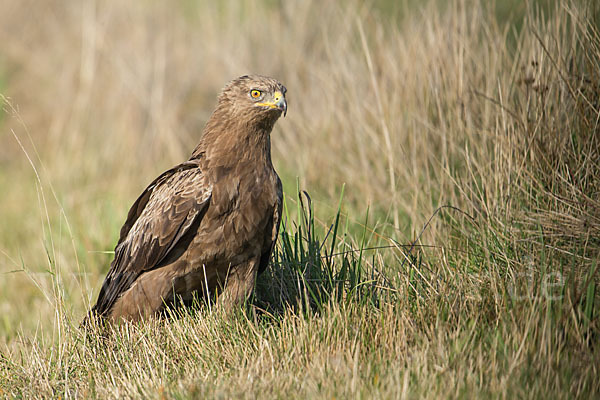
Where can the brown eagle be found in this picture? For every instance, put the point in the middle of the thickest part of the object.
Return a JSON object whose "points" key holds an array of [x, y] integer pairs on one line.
{"points": [[205, 227]]}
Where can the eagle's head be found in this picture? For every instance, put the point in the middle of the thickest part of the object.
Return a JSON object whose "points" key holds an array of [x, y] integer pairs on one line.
{"points": [[246, 112], [254, 98]]}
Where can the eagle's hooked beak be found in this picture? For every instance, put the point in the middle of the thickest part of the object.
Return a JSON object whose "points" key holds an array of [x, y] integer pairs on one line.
{"points": [[277, 102]]}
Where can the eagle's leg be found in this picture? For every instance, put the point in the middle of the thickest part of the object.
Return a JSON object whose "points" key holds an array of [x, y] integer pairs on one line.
{"points": [[238, 285]]}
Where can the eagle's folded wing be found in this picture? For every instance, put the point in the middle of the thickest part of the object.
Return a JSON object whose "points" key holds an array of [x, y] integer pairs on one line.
{"points": [[158, 219]]}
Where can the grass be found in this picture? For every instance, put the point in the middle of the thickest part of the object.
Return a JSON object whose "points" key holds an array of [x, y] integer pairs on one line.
{"points": [[447, 245]]}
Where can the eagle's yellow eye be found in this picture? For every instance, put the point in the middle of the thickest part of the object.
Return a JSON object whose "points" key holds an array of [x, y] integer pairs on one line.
{"points": [[255, 93]]}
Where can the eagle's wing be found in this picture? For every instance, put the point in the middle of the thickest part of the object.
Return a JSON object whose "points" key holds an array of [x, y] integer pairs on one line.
{"points": [[270, 241], [157, 220]]}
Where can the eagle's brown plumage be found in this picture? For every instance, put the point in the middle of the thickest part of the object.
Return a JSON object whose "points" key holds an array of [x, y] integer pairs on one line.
{"points": [[207, 226]]}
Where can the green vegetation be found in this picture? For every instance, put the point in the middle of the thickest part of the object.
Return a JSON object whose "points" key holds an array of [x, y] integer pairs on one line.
{"points": [[449, 242]]}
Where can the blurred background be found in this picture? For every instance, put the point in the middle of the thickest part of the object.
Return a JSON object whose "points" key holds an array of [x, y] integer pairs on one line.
{"points": [[412, 105]]}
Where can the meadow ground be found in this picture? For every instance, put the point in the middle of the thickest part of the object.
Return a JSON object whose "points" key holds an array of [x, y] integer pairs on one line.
{"points": [[449, 247]]}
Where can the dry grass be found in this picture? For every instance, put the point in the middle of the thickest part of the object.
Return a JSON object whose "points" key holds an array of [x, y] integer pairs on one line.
{"points": [[436, 106]]}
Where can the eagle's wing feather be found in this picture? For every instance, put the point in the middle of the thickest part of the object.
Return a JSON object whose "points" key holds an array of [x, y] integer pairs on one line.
{"points": [[155, 223]]}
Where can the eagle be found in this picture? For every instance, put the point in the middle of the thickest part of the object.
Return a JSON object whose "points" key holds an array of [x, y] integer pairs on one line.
{"points": [[205, 228]]}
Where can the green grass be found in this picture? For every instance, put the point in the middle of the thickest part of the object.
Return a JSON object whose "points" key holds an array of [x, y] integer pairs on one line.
{"points": [[441, 178], [325, 321]]}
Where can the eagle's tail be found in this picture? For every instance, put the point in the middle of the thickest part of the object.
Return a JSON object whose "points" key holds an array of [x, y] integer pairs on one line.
{"points": [[92, 320]]}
